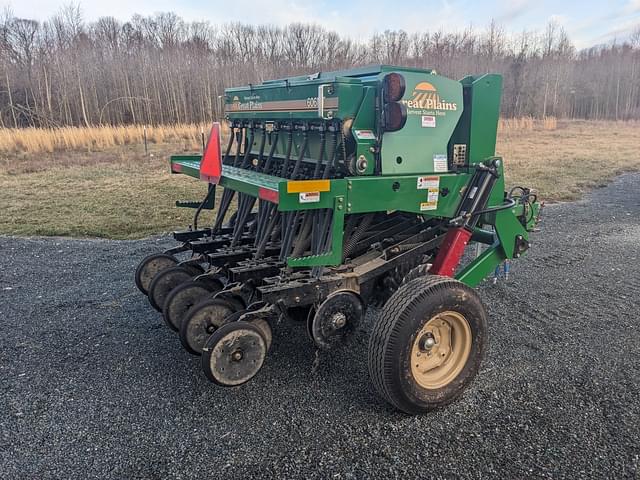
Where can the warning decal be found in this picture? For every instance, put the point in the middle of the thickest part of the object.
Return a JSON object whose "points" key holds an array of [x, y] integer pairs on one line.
{"points": [[425, 183], [432, 186], [309, 197], [365, 134], [428, 121]]}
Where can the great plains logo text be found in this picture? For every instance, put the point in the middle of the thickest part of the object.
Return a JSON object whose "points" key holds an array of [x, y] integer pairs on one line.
{"points": [[425, 96]]}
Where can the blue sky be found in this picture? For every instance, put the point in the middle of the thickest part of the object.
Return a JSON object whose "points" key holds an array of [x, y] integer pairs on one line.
{"points": [[588, 22]]}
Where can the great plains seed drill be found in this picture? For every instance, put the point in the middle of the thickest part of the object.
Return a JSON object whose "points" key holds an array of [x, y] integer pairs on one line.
{"points": [[343, 190]]}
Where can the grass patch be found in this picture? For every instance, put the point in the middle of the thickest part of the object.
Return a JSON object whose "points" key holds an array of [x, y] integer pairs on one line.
{"points": [[48, 140], [118, 192], [122, 194], [565, 162]]}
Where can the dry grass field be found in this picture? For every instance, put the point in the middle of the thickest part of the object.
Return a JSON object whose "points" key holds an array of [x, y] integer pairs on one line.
{"points": [[99, 182], [565, 161]]}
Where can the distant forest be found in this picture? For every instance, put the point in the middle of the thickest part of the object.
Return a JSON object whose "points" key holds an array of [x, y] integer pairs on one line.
{"points": [[161, 69]]}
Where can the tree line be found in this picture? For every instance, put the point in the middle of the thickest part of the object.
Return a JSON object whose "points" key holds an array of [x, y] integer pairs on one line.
{"points": [[161, 69]]}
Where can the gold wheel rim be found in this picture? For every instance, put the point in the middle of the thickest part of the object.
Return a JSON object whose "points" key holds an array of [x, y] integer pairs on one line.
{"points": [[441, 350]]}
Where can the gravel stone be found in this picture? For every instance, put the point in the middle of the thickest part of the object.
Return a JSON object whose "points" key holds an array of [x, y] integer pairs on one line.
{"points": [[93, 385]]}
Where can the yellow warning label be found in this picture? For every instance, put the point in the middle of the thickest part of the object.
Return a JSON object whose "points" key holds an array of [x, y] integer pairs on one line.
{"points": [[432, 200], [300, 186]]}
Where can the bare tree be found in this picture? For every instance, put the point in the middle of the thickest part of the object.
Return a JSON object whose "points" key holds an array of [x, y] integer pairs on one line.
{"points": [[161, 69]]}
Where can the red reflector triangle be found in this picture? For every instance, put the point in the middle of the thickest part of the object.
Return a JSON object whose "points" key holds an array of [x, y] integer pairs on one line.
{"points": [[211, 165]]}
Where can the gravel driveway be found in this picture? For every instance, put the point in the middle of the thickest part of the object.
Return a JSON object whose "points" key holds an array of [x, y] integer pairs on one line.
{"points": [[94, 385]]}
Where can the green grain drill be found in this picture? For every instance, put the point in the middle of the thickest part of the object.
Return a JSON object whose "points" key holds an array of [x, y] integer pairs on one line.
{"points": [[339, 191]]}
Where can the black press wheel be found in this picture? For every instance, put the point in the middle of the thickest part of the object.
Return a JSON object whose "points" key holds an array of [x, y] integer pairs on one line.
{"points": [[335, 320], [182, 298], [149, 267], [427, 343], [164, 282], [202, 320], [234, 354]]}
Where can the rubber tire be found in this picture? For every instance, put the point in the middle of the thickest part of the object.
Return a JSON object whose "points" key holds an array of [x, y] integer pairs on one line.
{"points": [[158, 291], [140, 283], [394, 332], [200, 289]]}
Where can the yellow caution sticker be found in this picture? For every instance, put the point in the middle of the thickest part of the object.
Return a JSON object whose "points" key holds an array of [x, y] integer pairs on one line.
{"points": [[301, 186], [432, 186]]}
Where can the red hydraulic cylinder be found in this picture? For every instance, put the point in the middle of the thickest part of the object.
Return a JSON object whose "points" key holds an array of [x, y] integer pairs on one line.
{"points": [[450, 252]]}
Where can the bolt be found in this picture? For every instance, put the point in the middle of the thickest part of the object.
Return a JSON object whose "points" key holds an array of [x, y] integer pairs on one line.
{"points": [[427, 342], [339, 320], [236, 356], [361, 165]]}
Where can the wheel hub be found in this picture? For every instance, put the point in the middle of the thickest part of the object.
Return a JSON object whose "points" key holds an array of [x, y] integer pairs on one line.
{"points": [[441, 350], [427, 342], [236, 356], [339, 320]]}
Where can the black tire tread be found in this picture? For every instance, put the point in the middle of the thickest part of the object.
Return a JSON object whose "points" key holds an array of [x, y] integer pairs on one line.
{"points": [[384, 332]]}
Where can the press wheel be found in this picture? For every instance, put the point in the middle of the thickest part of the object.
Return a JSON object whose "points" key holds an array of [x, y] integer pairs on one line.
{"points": [[202, 320], [182, 298], [427, 343], [234, 354], [165, 281], [149, 267], [335, 319]]}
